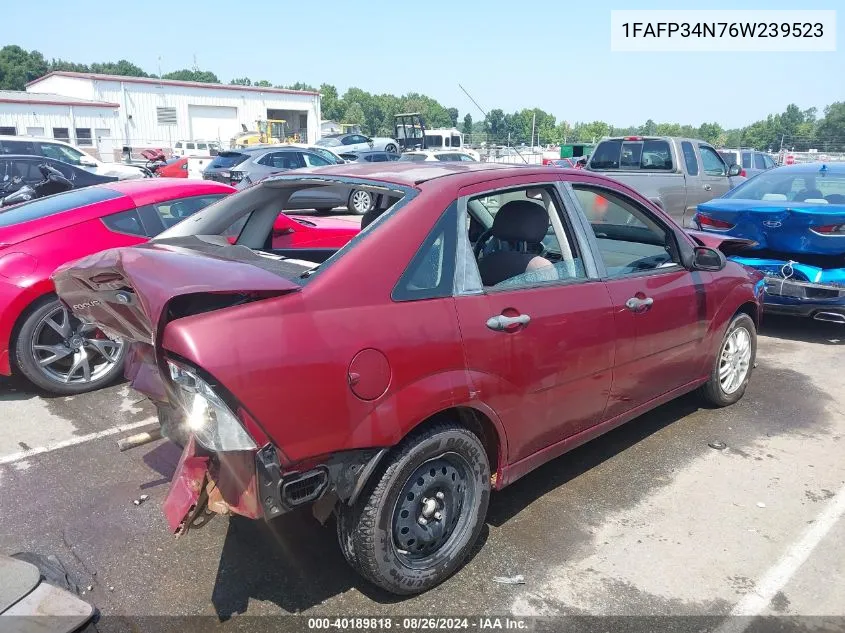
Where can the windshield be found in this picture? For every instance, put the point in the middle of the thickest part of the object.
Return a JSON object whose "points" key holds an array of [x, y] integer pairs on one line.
{"points": [[815, 187], [328, 142], [329, 156], [225, 160], [42, 207]]}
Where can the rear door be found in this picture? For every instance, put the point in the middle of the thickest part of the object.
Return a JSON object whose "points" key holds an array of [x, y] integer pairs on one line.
{"points": [[661, 309], [539, 348]]}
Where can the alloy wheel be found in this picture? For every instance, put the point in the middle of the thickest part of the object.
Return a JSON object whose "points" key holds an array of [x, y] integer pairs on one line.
{"points": [[361, 201], [67, 350], [735, 360]]}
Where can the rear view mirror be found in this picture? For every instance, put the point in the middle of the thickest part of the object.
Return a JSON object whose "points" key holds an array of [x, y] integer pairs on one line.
{"points": [[706, 258], [734, 170]]}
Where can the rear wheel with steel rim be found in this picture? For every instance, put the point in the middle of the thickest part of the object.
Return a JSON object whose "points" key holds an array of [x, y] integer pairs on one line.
{"points": [[732, 366], [360, 201], [61, 354], [414, 525]]}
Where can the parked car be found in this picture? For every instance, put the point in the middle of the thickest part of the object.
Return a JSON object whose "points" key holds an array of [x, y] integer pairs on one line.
{"points": [[39, 340], [176, 167], [358, 143], [565, 163], [370, 157], [26, 168], [196, 148], [243, 167], [751, 161], [66, 153], [481, 324], [677, 174], [794, 220], [442, 155]]}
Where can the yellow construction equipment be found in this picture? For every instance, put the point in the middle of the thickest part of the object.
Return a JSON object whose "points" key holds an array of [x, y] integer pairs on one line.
{"points": [[269, 132]]}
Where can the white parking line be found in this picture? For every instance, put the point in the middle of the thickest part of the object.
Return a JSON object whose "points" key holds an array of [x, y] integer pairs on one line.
{"points": [[49, 448], [756, 602]]}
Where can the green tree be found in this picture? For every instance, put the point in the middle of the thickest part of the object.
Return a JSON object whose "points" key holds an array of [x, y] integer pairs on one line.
{"points": [[649, 128], [18, 67], [299, 85], [329, 103], [241, 81], [830, 132], [453, 116], [121, 67], [467, 124], [354, 113], [496, 124], [262, 84], [187, 74], [593, 132]]}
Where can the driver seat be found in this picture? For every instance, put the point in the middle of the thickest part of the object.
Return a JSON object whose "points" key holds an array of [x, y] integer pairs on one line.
{"points": [[517, 222]]}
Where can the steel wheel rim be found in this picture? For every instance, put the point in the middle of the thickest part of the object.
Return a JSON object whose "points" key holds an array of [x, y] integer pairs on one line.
{"points": [[735, 360], [391, 149], [69, 351], [361, 201], [432, 513]]}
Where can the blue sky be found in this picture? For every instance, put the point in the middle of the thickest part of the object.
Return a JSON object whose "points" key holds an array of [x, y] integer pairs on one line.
{"points": [[508, 54]]}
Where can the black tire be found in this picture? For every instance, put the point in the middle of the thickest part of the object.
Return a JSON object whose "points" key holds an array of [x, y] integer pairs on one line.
{"points": [[24, 362], [713, 391], [444, 459], [324, 211], [390, 147], [359, 210]]}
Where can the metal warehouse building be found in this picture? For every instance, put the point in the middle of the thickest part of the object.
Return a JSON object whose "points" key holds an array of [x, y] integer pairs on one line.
{"points": [[143, 112]]}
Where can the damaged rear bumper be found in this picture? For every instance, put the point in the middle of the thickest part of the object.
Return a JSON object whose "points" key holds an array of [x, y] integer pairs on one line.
{"points": [[256, 484], [798, 289]]}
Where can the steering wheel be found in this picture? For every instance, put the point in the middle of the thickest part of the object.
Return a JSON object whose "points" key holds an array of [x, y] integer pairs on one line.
{"points": [[482, 240]]}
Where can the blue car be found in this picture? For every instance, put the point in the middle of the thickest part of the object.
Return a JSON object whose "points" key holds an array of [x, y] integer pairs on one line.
{"points": [[795, 217]]}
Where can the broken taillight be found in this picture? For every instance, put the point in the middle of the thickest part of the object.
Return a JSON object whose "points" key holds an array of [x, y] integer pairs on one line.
{"points": [[829, 230], [706, 222]]}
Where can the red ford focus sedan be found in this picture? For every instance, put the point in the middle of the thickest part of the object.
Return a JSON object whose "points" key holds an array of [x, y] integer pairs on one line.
{"points": [[486, 319]]}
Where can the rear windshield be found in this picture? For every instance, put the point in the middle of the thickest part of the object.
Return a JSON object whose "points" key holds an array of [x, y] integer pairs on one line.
{"points": [[618, 154], [784, 185], [57, 203], [227, 159], [412, 157], [728, 157]]}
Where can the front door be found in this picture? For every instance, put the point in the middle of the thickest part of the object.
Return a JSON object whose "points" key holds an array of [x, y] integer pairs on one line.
{"points": [[538, 342], [660, 308], [714, 173]]}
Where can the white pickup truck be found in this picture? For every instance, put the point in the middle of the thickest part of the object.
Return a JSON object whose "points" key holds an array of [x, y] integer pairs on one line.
{"points": [[676, 173]]}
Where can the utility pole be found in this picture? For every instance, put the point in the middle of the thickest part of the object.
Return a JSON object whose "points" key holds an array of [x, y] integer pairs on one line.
{"points": [[533, 123]]}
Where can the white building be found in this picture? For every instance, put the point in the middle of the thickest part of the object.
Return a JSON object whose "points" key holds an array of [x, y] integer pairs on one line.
{"points": [[158, 112], [79, 121]]}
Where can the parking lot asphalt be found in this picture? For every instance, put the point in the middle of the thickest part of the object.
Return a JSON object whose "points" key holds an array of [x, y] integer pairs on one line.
{"points": [[646, 520]]}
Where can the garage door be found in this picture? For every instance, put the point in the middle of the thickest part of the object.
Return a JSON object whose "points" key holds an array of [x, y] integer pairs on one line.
{"points": [[218, 123]]}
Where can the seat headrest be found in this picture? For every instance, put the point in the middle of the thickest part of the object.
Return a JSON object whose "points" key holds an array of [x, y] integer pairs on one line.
{"points": [[521, 221]]}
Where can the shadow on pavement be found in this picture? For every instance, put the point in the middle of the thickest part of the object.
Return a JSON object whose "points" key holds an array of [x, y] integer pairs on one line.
{"points": [[801, 329], [13, 388]]}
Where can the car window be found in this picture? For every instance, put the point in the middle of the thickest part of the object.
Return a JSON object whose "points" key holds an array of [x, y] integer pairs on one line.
{"points": [[26, 170], [412, 157], [312, 160], [784, 184], [393, 157], [348, 140], [202, 146], [652, 154], [466, 157], [759, 163], [178, 145], [431, 272], [331, 158], [711, 162], [128, 222], [18, 147], [61, 152], [190, 146], [456, 140], [746, 160], [768, 161], [630, 241], [728, 156], [329, 142], [533, 246], [690, 159], [173, 211], [378, 158], [281, 160], [66, 201]]}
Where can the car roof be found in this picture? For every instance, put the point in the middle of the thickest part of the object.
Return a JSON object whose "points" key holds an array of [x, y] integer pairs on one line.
{"points": [[34, 157], [151, 190], [40, 139], [813, 168], [410, 173]]}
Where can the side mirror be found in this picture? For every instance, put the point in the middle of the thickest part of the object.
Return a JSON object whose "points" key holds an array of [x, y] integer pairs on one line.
{"points": [[370, 141], [734, 170], [87, 161], [706, 258]]}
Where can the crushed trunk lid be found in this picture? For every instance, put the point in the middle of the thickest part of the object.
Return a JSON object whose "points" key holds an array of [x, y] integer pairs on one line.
{"points": [[128, 292]]}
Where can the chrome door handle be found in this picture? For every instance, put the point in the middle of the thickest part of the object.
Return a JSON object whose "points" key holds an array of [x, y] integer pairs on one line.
{"points": [[707, 187], [501, 323], [638, 305]]}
